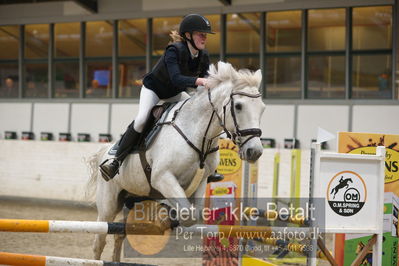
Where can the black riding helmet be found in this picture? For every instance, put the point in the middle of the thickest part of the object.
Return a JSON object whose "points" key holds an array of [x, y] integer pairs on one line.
{"points": [[194, 22]]}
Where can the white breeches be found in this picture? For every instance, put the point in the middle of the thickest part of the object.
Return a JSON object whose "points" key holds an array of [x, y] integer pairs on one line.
{"points": [[149, 99]]}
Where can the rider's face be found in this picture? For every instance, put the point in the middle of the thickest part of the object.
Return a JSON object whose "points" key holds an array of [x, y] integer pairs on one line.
{"points": [[199, 39]]}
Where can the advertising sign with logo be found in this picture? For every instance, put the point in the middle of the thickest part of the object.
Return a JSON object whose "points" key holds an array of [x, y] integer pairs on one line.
{"points": [[230, 165], [230, 161], [346, 193], [366, 143], [353, 188], [350, 185]]}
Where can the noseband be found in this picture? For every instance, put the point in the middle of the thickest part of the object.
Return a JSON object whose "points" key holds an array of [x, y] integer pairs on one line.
{"points": [[238, 133]]}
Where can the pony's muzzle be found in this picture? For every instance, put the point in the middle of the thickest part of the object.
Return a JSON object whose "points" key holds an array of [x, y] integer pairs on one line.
{"points": [[251, 150], [253, 154]]}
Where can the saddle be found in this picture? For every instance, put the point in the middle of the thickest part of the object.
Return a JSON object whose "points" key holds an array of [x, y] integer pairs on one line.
{"points": [[159, 113]]}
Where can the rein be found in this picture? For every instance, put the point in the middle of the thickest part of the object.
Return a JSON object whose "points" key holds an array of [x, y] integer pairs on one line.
{"points": [[204, 151]]}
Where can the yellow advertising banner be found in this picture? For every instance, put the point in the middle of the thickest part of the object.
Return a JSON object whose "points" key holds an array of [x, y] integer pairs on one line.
{"points": [[217, 193], [366, 143], [230, 164]]}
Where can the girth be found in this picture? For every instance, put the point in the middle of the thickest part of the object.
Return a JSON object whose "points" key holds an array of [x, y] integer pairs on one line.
{"points": [[147, 171]]}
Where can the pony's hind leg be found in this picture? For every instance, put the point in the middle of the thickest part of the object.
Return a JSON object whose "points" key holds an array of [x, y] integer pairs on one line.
{"points": [[116, 256], [99, 244], [109, 204]]}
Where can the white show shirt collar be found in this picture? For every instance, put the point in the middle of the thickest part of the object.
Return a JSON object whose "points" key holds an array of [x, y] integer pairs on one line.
{"points": [[190, 48], [194, 55]]}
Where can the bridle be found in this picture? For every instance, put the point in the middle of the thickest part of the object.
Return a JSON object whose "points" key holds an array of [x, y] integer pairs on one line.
{"points": [[238, 133], [235, 136]]}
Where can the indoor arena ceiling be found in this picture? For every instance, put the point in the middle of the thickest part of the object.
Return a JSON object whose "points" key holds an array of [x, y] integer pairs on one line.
{"points": [[90, 5]]}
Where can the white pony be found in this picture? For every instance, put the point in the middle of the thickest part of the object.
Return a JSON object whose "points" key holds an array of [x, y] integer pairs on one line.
{"points": [[232, 104]]}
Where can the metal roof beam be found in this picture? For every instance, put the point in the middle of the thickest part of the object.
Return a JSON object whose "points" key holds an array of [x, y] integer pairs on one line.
{"points": [[89, 5], [225, 2]]}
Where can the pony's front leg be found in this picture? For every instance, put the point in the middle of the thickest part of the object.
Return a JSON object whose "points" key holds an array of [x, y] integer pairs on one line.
{"points": [[199, 197], [167, 184]]}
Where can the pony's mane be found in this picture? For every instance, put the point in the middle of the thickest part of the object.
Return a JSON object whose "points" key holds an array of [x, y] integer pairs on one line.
{"points": [[241, 79]]}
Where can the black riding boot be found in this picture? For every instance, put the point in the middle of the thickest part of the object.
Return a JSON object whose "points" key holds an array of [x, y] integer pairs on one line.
{"points": [[215, 177], [127, 142]]}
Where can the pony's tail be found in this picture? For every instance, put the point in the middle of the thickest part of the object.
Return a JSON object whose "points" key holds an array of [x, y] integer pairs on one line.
{"points": [[93, 162]]}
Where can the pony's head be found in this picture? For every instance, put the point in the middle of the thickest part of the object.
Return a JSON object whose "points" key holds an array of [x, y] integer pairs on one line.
{"points": [[242, 106]]}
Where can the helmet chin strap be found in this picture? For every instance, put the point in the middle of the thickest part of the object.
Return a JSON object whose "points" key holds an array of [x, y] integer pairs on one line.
{"points": [[191, 41]]}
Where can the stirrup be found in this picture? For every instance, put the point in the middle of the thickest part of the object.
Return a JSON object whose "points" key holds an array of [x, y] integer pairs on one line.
{"points": [[105, 174], [215, 177]]}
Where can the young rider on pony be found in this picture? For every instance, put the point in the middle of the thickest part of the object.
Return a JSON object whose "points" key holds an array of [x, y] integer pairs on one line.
{"points": [[184, 64]]}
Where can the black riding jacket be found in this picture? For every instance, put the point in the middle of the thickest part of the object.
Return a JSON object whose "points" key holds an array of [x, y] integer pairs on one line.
{"points": [[176, 70]]}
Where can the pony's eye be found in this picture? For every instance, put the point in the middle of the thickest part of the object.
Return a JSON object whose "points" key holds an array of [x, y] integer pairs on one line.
{"points": [[238, 106]]}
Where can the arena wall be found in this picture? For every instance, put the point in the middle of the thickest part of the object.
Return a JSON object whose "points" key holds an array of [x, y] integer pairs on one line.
{"points": [[57, 170], [44, 170], [279, 121]]}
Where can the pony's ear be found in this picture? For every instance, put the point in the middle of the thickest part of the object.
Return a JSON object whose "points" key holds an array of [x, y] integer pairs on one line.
{"points": [[258, 75], [213, 81], [232, 71], [212, 69], [223, 68]]}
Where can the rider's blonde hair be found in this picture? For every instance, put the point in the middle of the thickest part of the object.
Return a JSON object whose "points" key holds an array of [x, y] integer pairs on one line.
{"points": [[175, 36]]}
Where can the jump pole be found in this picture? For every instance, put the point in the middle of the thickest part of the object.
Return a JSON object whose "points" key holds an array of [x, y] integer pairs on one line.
{"points": [[36, 260], [52, 226]]}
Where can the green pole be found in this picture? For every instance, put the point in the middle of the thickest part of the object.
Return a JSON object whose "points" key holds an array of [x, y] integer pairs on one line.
{"points": [[276, 174], [295, 186]]}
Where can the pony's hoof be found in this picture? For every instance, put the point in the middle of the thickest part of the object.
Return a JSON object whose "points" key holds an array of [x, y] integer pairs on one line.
{"points": [[188, 222], [215, 177]]}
